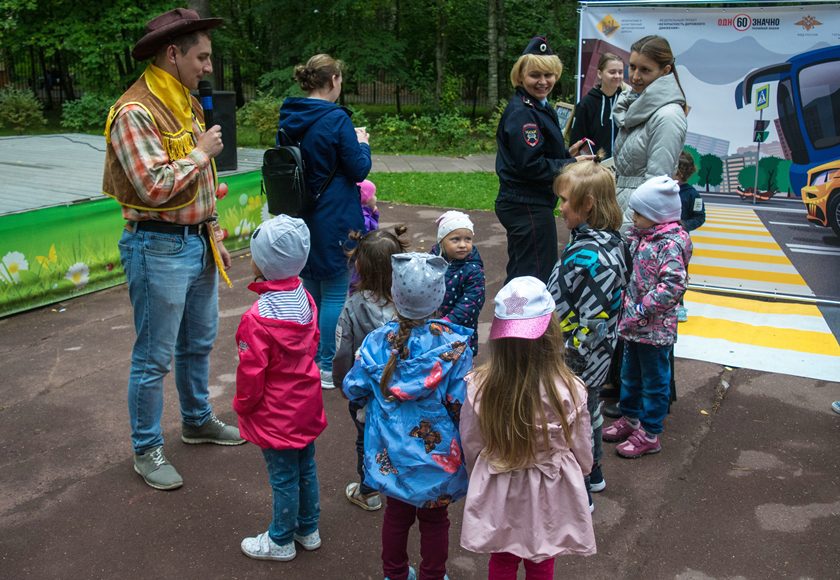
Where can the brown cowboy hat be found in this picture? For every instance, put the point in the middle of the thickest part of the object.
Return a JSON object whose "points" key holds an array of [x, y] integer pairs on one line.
{"points": [[162, 29]]}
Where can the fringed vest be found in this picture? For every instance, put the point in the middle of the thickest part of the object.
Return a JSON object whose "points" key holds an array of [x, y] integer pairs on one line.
{"points": [[177, 143]]}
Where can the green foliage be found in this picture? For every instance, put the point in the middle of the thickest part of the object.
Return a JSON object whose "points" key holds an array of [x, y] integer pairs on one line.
{"points": [[20, 110], [442, 190], [444, 133], [769, 178], [87, 113], [261, 116]]}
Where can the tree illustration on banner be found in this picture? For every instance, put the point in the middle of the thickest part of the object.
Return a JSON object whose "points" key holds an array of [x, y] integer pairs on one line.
{"points": [[710, 171]]}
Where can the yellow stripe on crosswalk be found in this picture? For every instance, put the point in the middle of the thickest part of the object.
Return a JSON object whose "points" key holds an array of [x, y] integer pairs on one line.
{"points": [[766, 336], [757, 306], [700, 239], [744, 274], [742, 256]]}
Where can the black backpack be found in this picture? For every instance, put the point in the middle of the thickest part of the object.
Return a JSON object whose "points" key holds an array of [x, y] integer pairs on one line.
{"points": [[283, 181]]}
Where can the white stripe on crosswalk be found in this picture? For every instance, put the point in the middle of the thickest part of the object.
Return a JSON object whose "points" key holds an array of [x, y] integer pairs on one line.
{"points": [[772, 360], [756, 266], [820, 251], [727, 248]]}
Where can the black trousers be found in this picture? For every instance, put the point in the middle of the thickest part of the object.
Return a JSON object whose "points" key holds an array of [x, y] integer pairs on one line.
{"points": [[531, 239]]}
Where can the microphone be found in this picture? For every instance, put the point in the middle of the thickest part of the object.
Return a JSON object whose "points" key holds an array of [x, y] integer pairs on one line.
{"points": [[205, 95]]}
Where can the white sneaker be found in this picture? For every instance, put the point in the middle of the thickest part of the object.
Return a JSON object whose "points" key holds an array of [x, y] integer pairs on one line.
{"points": [[327, 380], [263, 547], [309, 542]]}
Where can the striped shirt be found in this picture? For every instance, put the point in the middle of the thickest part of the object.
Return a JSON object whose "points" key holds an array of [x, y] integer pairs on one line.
{"points": [[291, 305], [156, 178]]}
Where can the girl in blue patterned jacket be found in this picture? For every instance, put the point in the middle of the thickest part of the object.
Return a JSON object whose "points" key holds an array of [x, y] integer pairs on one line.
{"points": [[411, 374], [586, 285], [465, 292]]}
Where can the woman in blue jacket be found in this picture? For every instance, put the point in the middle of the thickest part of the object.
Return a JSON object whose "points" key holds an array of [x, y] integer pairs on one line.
{"points": [[338, 155], [530, 153]]}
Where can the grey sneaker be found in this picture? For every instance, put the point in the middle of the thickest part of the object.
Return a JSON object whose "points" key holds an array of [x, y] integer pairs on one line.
{"points": [[309, 542], [262, 547], [370, 502], [327, 380], [212, 431], [156, 470]]}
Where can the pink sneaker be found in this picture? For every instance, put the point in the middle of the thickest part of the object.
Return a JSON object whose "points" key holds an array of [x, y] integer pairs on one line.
{"points": [[637, 445], [618, 431]]}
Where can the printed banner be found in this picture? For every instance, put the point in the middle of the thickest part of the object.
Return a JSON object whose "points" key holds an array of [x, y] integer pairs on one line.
{"points": [[52, 254], [723, 57]]}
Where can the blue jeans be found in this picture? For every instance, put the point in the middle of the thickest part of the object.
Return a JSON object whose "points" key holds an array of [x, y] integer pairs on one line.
{"points": [[294, 481], [645, 384], [173, 288], [329, 296]]}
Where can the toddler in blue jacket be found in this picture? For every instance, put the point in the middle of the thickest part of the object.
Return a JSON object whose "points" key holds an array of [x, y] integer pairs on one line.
{"points": [[465, 292]]}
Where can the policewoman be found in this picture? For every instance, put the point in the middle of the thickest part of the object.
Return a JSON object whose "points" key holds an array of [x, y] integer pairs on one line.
{"points": [[530, 153]]}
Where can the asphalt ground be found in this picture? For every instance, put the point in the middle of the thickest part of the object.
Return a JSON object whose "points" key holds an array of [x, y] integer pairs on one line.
{"points": [[747, 484]]}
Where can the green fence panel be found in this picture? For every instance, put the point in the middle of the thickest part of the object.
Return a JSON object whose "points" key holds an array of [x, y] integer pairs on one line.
{"points": [[52, 254]]}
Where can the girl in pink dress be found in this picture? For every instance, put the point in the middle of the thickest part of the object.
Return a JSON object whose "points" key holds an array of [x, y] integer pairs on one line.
{"points": [[526, 438]]}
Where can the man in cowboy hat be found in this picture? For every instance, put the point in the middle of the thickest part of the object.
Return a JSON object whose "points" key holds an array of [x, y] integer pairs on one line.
{"points": [[159, 167]]}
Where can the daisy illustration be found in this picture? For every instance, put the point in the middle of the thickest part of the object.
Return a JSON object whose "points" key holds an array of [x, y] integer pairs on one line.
{"points": [[244, 229], [13, 264], [78, 274]]}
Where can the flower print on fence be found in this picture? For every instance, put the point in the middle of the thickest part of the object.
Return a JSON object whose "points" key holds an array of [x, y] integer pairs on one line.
{"points": [[11, 266], [78, 274]]}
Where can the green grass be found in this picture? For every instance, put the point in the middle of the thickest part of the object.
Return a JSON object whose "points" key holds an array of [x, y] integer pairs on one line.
{"points": [[446, 190]]}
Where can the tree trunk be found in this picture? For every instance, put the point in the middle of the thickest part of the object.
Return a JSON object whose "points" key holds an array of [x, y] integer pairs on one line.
{"points": [[492, 55], [48, 101], [64, 79], [440, 52], [398, 87], [237, 83]]}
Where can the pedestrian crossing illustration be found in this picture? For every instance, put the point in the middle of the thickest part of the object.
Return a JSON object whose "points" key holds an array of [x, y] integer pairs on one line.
{"points": [[734, 250]]}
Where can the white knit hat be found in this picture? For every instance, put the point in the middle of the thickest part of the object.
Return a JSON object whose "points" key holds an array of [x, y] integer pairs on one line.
{"points": [[658, 199], [280, 247], [451, 221], [418, 283]]}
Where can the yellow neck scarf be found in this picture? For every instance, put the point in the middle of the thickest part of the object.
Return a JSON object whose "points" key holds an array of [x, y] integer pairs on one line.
{"points": [[176, 97]]}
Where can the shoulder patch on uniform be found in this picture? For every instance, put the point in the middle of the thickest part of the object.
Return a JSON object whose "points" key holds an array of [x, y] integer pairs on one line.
{"points": [[531, 134]]}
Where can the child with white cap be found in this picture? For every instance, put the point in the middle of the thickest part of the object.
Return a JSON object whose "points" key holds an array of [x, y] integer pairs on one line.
{"points": [[661, 250], [411, 374], [278, 387], [526, 437], [465, 292]]}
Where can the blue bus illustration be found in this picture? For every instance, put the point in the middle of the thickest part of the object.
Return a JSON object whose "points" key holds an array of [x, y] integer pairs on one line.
{"points": [[808, 103]]}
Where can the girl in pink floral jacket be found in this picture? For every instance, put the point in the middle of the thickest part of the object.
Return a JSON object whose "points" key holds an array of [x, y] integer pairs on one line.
{"points": [[661, 249]]}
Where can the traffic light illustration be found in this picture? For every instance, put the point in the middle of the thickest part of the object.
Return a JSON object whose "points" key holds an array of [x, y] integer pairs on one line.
{"points": [[760, 132]]}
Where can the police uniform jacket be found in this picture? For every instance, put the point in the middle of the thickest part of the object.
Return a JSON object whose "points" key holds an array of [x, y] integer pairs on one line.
{"points": [[530, 151]]}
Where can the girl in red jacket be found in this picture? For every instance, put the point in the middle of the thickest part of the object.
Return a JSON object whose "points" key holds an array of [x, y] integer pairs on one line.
{"points": [[278, 387]]}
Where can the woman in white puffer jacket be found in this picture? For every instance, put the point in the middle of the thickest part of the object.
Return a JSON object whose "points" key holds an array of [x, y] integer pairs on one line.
{"points": [[651, 120]]}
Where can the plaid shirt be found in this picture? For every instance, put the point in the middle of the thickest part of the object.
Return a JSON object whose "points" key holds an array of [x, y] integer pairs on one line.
{"points": [[156, 178]]}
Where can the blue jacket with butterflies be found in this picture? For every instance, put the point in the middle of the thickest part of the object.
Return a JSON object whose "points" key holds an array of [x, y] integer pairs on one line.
{"points": [[412, 445], [530, 151]]}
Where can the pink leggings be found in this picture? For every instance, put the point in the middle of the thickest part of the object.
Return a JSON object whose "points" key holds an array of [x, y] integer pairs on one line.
{"points": [[503, 566]]}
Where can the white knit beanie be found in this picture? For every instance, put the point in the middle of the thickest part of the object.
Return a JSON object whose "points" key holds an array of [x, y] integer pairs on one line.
{"points": [[451, 221], [658, 199]]}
